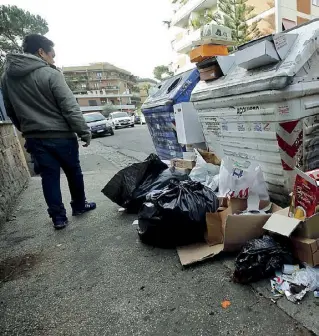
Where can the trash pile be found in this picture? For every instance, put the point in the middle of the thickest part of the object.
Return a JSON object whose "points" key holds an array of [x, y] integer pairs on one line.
{"points": [[204, 206], [294, 283], [233, 141]]}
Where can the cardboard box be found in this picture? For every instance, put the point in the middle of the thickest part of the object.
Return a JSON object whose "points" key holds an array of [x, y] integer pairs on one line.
{"points": [[306, 250], [211, 73], [183, 170], [286, 226], [305, 195], [257, 55], [183, 164], [208, 50], [226, 231]]}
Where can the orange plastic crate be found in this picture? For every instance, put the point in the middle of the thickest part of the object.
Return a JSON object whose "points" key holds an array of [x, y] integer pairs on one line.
{"points": [[208, 50]]}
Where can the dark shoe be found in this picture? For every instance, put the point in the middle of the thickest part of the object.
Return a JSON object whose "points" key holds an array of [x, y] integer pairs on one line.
{"points": [[60, 224], [87, 207]]}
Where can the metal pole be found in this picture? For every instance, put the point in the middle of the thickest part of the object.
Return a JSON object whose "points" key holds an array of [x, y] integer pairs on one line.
{"points": [[278, 16]]}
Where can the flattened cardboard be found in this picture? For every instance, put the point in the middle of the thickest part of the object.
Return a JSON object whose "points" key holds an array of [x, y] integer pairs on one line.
{"points": [[226, 232], [197, 252], [306, 250]]}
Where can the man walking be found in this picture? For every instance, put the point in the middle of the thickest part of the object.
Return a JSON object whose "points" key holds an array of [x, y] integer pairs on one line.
{"points": [[41, 106]]}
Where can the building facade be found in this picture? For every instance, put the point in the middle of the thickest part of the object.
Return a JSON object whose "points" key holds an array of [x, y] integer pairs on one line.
{"points": [[271, 15], [99, 84], [145, 85]]}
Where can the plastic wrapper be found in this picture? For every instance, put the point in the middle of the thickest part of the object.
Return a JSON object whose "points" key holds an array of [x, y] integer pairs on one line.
{"points": [[308, 277], [239, 180], [129, 187], [176, 215], [259, 259], [206, 173]]}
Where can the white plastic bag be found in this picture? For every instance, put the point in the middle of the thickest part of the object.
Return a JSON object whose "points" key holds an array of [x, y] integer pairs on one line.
{"points": [[240, 180], [308, 277], [205, 173]]}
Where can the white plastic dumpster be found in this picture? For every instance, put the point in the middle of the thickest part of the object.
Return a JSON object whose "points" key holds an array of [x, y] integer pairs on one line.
{"points": [[268, 114]]}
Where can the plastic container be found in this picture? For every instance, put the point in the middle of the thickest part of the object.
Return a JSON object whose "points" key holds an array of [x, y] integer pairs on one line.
{"points": [[158, 110], [268, 115]]}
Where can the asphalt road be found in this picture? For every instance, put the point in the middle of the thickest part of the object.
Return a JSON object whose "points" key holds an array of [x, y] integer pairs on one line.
{"points": [[97, 278]]}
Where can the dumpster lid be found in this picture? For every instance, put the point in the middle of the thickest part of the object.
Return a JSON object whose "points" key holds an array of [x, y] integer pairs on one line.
{"points": [[171, 89], [295, 48]]}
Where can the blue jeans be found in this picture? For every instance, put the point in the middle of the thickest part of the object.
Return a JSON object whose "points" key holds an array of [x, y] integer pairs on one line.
{"points": [[52, 155]]}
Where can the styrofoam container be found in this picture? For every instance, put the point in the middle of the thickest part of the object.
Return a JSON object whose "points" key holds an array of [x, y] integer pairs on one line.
{"points": [[188, 127], [257, 55]]}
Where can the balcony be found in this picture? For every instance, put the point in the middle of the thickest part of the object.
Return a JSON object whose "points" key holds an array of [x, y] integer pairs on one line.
{"points": [[85, 109], [105, 95], [184, 46], [182, 15]]}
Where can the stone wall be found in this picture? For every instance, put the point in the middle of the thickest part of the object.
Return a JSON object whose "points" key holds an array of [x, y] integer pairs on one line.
{"points": [[14, 174]]}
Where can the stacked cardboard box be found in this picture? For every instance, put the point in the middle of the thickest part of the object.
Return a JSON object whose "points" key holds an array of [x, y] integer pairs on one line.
{"points": [[215, 41]]}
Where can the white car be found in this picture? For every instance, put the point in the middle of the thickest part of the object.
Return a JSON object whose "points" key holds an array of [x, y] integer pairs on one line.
{"points": [[143, 119], [120, 119], [98, 124]]}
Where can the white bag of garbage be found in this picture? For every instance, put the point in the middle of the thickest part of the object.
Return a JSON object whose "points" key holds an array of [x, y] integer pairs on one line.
{"points": [[205, 173], [239, 180], [308, 277]]}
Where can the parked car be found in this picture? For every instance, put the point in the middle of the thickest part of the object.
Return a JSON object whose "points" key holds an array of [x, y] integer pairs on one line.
{"points": [[98, 124], [137, 119], [121, 120]]}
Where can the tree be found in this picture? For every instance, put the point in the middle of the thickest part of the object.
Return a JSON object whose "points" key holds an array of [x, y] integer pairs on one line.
{"points": [[160, 70], [146, 88], [108, 108], [234, 14], [202, 18], [72, 85], [15, 23]]}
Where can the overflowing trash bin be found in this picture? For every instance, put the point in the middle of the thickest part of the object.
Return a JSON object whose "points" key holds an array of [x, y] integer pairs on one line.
{"points": [[158, 110], [265, 110]]}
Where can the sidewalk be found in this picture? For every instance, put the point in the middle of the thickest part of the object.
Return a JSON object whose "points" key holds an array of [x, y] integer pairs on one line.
{"points": [[96, 278]]}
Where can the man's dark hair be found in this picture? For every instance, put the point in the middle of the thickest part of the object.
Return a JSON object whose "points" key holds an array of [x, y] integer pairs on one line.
{"points": [[33, 42]]}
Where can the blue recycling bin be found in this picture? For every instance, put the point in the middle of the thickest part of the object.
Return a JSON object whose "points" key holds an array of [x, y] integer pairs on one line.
{"points": [[158, 110]]}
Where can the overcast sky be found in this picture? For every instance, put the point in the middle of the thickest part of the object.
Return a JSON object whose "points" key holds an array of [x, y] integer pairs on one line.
{"points": [[127, 33]]}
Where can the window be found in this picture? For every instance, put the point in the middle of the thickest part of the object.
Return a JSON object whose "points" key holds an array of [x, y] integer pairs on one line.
{"points": [[315, 2], [92, 103], [96, 86], [99, 75], [103, 101], [83, 86], [93, 117]]}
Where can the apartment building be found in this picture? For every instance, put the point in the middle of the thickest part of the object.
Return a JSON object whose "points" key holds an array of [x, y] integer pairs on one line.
{"points": [[145, 85], [272, 16], [97, 84]]}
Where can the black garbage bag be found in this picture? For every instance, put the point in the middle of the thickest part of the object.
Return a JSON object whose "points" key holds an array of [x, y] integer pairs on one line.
{"points": [[129, 187], [176, 215], [259, 259]]}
